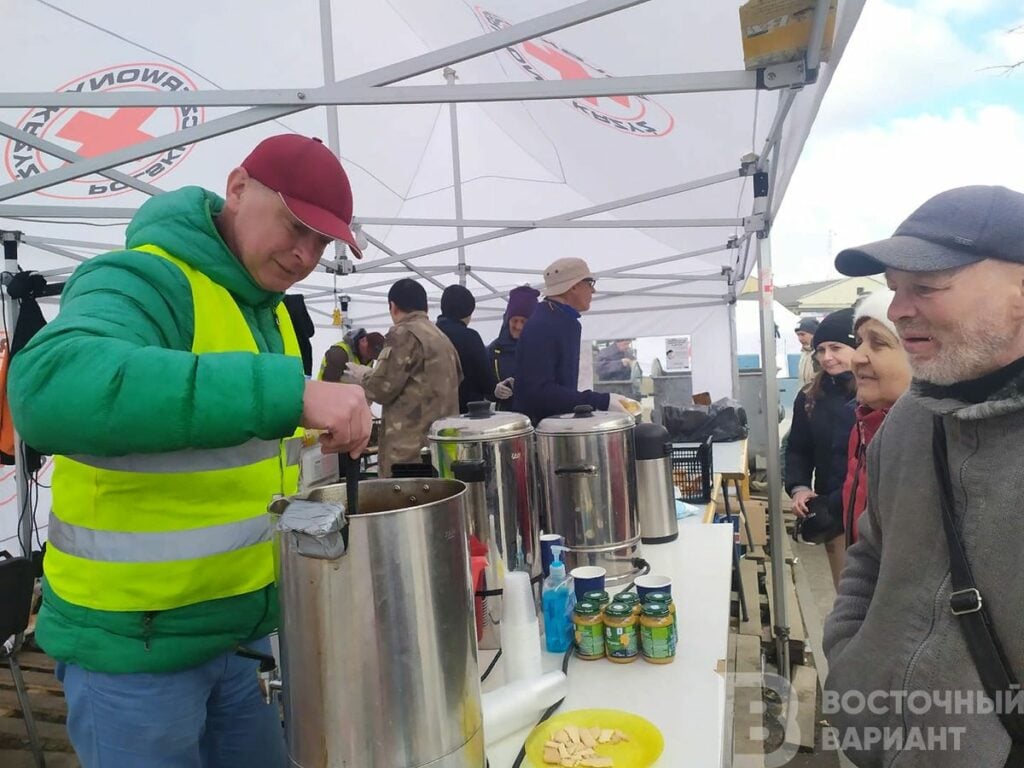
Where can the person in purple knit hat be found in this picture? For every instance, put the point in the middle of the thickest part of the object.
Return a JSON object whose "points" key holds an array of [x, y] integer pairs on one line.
{"points": [[502, 351]]}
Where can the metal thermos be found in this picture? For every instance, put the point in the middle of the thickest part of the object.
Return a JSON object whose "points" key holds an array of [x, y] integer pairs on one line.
{"points": [[492, 453], [379, 664], [655, 495], [588, 486]]}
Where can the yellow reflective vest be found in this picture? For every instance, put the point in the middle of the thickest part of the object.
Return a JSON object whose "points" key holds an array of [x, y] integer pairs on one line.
{"points": [[353, 358], [152, 532]]}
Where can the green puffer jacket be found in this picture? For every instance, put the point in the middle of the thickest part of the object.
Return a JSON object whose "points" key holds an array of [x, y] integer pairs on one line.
{"points": [[113, 374]]}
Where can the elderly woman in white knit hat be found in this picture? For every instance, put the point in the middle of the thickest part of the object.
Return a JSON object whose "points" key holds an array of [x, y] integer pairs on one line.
{"points": [[882, 370]]}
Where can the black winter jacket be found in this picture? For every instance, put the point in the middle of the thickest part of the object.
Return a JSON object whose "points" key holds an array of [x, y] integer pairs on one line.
{"points": [[816, 452], [478, 380]]}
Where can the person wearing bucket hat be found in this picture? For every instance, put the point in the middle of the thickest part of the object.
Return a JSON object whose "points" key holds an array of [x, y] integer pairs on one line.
{"points": [[950, 447], [816, 449], [522, 301], [169, 388], [548, 355]]}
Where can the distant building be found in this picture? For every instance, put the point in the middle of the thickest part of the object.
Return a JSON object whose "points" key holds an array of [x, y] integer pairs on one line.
{"points": [[817, 298]]}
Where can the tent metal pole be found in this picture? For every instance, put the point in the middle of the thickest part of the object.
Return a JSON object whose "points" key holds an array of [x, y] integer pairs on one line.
{"points": [[55, 150], [57, 251], [780, 621], [564, 224], [408, 265], [623, 310], [601, 208], [392, 73], [664, 260], [346, 93], [64, 212], [333, 139], [496, 294], [786, 99], [102, 247], [453, 120], [26, 516], [733, 348], [817, 35]]}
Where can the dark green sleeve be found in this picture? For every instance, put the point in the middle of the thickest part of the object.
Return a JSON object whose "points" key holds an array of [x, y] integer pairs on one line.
{"points": [[113, 373]]}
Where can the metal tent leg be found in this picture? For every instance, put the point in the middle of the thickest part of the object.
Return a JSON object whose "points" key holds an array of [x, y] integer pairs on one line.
{"points": [[26, 711]]}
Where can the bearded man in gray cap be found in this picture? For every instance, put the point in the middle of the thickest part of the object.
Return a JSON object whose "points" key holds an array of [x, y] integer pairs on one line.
{"points": [[548, 354], [926, 640]]}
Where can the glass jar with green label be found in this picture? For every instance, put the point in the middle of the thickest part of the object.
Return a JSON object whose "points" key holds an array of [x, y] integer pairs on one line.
{"points": [[598, 596], [630, 599], [666, 598], [589, 630], [621, 639], [656, 636]]}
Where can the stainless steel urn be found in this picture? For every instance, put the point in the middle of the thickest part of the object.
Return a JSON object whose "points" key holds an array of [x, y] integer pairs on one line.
{"points": [[379, 665], [492, 453], [588, 488]]}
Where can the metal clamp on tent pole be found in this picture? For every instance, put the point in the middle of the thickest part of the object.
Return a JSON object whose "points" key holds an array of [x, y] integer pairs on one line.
{"points": [[757, 221], [792, 74]]}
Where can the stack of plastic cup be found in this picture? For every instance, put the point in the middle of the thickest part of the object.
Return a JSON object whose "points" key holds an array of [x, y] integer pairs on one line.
{"points": [[520, 633]]}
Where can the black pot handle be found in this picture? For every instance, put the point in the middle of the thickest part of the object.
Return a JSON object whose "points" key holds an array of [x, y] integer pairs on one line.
{"points": [[577, 469], [470, 471]]}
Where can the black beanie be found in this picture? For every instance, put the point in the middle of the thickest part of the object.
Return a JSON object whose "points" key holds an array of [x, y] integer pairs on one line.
{"points": [[837, 327], [409, 296], [457, 302]]}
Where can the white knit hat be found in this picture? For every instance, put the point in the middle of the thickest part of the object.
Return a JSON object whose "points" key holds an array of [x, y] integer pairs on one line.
{"points": [[875, 306]]}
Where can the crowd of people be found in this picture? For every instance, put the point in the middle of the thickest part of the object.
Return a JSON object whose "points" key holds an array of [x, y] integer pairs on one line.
{"points": [[170, 383], [423, 371], [902, 460]]}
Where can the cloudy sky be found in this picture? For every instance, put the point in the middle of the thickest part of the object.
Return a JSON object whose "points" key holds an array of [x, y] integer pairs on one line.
{"points": [[913, 109]]}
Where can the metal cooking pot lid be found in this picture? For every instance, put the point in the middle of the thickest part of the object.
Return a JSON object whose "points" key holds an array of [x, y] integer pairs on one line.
{"points": [[584, 420], [481, 423]]}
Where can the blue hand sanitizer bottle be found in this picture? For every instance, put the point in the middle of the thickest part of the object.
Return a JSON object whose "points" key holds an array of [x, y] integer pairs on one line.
{"points": [[557, 600]]}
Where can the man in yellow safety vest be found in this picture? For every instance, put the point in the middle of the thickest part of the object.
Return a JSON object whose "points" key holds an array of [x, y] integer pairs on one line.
{"points": [[165, 388]]}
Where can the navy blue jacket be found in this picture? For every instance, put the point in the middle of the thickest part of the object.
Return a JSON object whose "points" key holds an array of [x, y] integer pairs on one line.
{"points": [[818, 444], [502, 354], [548, 366], [478, 379]]}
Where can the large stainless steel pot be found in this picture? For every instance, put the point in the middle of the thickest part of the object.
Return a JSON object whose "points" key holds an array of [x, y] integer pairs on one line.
{"points": [[379, 660], [588, 487], [492, 453]]}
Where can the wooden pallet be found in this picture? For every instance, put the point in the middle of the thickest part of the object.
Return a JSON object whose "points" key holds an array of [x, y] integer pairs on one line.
{"points": [[46, 698]]}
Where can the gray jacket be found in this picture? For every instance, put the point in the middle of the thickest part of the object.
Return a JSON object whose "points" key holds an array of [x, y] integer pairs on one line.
{"points": [[891, 634]]}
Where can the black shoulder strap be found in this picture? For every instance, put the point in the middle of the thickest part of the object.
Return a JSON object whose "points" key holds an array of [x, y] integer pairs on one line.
{"points": [[967, 603]]}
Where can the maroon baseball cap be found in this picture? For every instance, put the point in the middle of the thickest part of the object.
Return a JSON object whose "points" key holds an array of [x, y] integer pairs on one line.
{"points": [[310, 181]]}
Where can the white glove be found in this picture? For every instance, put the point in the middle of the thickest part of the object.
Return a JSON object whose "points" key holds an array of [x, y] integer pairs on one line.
{"points": [[504, 389], [357, 372]]}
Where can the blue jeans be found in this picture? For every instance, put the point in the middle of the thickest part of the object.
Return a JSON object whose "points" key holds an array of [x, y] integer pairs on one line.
{"points": [[211, 716]]}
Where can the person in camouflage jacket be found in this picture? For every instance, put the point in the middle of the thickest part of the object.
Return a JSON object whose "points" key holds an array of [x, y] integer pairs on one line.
{"points": [[416, 378]]}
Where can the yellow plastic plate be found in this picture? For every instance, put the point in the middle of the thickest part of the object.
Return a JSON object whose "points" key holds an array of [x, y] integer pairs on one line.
{"points": [[643, 748]]}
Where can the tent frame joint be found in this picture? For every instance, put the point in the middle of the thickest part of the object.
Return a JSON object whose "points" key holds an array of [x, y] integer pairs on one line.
{"points": [[791, 74]]}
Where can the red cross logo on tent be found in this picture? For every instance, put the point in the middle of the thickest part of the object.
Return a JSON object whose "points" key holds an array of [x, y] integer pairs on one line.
{"points": [[97, 134], [568, 68]]}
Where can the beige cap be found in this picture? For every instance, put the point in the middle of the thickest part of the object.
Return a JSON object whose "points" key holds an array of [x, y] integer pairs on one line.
{"points": [[563, 274]]}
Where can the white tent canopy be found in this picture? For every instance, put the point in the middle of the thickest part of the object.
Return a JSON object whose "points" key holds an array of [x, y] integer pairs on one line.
{"points": [[482, 141], [669, 263]]}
